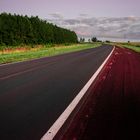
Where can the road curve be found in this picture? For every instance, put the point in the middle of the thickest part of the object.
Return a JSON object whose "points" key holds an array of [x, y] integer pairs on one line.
{"points": [[34, 93]]}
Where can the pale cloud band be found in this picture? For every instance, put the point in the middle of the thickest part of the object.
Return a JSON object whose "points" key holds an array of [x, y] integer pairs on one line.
{"points": [[104, 27]]}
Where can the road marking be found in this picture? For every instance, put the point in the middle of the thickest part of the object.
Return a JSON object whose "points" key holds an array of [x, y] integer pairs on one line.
{"points": [[25, 71], [32, 68], [51, 133]]}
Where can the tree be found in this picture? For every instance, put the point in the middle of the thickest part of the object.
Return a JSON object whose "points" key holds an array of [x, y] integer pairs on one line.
{"points": [[94, 39], [107, 41], [82, 40], [16, 30], [89, 40]]}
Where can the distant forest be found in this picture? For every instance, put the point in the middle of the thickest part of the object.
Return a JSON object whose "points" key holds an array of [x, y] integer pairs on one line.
{"points": [[16, 30]]}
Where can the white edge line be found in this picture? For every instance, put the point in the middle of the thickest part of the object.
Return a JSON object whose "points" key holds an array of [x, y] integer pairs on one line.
{"points": [[51, 133]]}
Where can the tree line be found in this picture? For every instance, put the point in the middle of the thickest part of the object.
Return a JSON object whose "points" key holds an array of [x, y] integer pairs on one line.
{"points": [[93, 39], [16, 30]]}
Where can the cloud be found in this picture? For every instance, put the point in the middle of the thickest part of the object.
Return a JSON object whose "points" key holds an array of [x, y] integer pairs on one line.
{"points": [[56, 15], [124, 27], [83, 15]]}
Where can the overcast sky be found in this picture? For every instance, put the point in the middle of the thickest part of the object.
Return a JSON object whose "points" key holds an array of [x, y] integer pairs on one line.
{"points": [[101, 18]]}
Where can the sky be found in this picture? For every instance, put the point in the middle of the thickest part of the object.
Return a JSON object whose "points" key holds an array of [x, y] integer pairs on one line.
{"points": [[88, 18]]}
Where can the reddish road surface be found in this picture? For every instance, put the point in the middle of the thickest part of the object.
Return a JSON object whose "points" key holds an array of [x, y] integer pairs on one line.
{"points": [[112, 111]]}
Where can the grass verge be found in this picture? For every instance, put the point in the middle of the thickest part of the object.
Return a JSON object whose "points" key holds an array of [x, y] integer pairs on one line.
{"points": [[20, 55], [133, 46]]}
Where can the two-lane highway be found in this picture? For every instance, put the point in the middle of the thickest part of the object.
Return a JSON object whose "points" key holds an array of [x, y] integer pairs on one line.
{"points": [[34, 93]]}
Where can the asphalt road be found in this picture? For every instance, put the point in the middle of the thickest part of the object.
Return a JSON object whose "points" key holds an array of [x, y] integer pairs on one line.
{"points": [[113, 110], [34, 93]]}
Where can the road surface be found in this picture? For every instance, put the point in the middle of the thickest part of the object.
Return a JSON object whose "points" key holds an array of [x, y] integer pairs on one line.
{"points": [[34, 93], [112, 111]]}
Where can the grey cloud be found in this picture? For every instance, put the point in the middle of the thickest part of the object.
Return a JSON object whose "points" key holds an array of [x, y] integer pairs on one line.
{"points": [[72, 21], [83, 15], [56, 15], [127, 27]]}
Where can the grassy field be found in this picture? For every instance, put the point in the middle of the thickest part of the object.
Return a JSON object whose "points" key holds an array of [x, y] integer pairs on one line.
{"points": [[22, 54], [133, 46]]}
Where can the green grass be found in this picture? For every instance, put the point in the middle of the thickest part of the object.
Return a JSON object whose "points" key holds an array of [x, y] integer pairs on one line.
{"points": [[136, 49], [42, 52], [132, 46]]}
